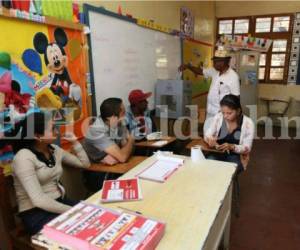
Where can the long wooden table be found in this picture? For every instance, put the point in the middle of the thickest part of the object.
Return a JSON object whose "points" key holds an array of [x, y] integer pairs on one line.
{"points": [[195, 204]]}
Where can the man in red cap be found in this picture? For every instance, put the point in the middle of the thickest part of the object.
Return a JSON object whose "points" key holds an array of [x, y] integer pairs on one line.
{"points": [[138, 118]]}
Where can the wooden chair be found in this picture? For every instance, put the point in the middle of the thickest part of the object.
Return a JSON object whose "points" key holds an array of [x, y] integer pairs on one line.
{"points": [[14, 235]]}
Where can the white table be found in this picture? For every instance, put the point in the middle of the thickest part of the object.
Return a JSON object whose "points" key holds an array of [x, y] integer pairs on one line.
{"points": [[195, 203]]}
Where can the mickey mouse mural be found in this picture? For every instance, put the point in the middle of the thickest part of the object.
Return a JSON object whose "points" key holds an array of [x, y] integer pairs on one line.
{"points": [[62, 88]]}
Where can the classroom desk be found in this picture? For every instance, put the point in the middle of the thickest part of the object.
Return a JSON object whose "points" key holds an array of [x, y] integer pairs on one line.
{"points": [[120, 168], [195, 203], [203, 144], [153, 143]]}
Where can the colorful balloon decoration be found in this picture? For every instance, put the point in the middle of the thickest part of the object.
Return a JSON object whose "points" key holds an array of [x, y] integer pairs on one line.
{"points": [[32, 61], [5, 61], [75, 48]]}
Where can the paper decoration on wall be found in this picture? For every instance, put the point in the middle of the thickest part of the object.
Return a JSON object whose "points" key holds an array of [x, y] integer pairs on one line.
{"points": [[6, 156], [76, 13], [21, 4], [30, 82], [198, 54], [245, 42], [7, 4], [27, 15], [187, 22], [59, 9], [120, 10], [294, 74], [151, 25], [5, 82], [75, 48], [2, 103], [5, 61], [251, 77], [58, 116], [5, 87], [13, 103], [32, 61], [15, 98], [23, 77], [73, 111], [44, 82], [19, 101], [56, 61], [36, 7]]}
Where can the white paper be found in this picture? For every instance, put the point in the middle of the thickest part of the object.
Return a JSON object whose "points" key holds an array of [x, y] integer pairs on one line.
{"points": [[160, 170], [162, 157], [159, 143]]}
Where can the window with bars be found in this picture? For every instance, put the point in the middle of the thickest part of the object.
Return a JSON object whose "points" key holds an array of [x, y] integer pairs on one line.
{"points": [[273, 65]]}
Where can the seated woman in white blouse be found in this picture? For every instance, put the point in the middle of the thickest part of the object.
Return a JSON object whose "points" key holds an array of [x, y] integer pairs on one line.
{"points": [[37, 168], [231, 132]]}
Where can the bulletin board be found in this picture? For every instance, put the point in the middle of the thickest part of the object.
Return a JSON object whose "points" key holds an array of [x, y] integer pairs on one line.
{"points": [[34, 72], [126, 56], [197, 53]]}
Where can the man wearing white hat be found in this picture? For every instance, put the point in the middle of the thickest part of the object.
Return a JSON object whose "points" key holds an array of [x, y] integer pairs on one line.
{"points": [[224, 81]]}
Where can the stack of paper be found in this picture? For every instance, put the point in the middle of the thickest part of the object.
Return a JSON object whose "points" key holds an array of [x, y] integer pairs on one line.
{"points": [[41, 240], [90, 227]]}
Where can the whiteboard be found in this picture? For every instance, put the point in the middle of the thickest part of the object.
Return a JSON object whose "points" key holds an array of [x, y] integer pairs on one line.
{"points": [[125, 56]]}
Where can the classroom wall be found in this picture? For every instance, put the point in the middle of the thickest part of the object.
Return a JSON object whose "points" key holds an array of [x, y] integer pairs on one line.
{"points": [[248, 8], [167, 13]]}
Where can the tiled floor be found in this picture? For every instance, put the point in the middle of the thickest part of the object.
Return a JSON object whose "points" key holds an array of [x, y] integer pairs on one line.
{"points": [[270, 199]]}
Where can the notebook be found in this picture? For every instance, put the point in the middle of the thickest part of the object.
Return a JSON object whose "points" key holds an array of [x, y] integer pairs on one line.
{"points": [[161, 169]]}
